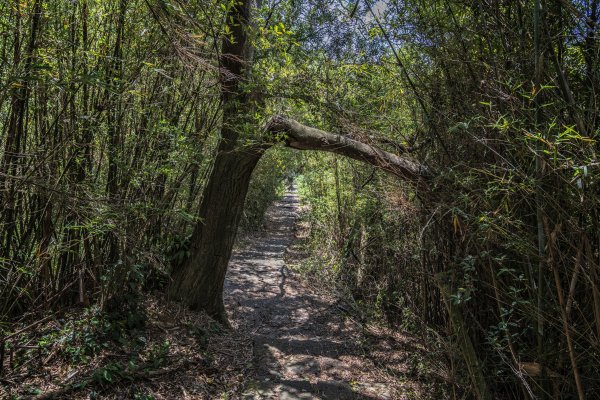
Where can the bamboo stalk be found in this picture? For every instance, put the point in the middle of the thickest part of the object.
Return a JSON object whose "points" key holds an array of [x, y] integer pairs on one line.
{"points": [[464, 341], [593, 267], [518, 370], [563, 312], [574, 279]]}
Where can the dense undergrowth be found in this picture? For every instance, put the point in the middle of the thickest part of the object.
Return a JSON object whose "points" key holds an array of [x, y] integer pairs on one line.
{"points": [[118, 345]]}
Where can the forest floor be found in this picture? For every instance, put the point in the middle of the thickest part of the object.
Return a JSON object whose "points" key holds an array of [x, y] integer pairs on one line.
{"points": [[289, 340]]}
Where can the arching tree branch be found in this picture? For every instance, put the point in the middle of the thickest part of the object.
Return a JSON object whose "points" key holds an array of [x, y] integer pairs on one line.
{"points": [[302, 137]]}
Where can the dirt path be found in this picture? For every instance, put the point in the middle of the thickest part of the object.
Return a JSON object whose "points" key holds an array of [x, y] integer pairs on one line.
{"points": [[304, 347]]}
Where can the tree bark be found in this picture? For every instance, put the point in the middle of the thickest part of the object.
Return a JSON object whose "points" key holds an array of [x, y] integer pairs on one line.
{"points": [[199, 282]]}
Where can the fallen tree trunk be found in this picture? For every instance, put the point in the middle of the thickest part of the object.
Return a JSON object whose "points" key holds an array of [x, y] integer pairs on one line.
{"points": [[302, 137]]}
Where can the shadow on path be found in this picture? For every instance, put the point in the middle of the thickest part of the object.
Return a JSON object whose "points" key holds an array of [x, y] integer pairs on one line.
{"points": [[303, 347]]}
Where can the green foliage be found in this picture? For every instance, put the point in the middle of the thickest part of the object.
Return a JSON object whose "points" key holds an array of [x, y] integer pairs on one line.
{"points": [[109, 373], [157, 356]]}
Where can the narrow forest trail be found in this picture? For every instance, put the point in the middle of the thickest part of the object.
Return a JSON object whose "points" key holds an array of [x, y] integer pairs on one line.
{"points": [[303, 345]]}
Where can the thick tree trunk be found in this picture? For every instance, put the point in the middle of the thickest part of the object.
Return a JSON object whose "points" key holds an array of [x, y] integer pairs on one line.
{"points": [[199, 282]]}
